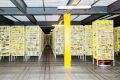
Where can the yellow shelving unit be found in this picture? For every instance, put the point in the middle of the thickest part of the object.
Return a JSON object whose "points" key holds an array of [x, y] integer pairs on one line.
{"points": [[17, 40], [32, 41], [103, 47], [117, 40], [41, 39], [77, 40], [4, 41], [58, 40], [88, 43]]}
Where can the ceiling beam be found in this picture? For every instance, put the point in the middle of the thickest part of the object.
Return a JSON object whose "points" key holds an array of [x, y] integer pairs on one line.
{"points": [[114, 7], [6, 20], [20, 4], [53, 11]]}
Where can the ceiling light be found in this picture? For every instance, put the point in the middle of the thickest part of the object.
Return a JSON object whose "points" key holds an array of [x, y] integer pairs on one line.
{"points": [[74, 7]]}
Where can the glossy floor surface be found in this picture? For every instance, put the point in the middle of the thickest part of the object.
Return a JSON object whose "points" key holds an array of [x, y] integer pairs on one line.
{"points": [[50, 69]]}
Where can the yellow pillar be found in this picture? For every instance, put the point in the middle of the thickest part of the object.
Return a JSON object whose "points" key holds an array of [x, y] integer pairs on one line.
{"points": [[67, 44]]}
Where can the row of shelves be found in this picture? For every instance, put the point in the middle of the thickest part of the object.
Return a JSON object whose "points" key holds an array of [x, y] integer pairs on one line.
{"points": [[95, 40], [103, 42], [21, 41], [81, 40]]}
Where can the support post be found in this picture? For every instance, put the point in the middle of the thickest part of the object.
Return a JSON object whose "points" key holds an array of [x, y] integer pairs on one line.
{"points": [[67, 44]]}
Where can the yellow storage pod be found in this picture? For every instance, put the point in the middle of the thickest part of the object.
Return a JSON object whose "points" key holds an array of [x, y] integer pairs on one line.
{"points": [[41, 41], [4, 40], [117, 40], [17, 40], [77, 40], [33, 41], [88, 40], [58, 40], [103, 47]]}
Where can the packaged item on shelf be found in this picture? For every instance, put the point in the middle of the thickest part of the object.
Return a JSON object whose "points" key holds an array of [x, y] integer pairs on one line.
{"points": [[17, 40], [103, 47], [4, 41]]}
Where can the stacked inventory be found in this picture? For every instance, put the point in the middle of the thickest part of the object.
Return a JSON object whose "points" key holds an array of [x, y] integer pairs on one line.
{"points": [[77, 40], [33, 41], [41, 37], [58, 40], [4, 41], [103, 40], [117, 40], [17, 40], [88, 40]]}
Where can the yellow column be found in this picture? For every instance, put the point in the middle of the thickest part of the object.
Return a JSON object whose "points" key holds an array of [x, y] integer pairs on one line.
{"points": [[67, 44]]}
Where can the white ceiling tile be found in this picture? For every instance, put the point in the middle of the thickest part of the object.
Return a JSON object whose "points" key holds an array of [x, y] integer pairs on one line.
{"points": [[73, 17], [55, 3], [11, 18], [40, 17], [6, 3], [104, 2], [52, 17], [86, 2], [22, 18], [81, 17], [34, 3]]}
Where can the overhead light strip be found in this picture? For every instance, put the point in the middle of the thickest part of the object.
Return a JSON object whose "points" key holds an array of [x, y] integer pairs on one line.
{"points": [[74, 7]]}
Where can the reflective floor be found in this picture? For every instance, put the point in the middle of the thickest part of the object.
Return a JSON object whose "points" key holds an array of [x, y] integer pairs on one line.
{"points": [[50, 69]]}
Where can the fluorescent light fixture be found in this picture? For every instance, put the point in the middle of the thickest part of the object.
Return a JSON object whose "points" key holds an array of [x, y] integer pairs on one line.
{"points": [[57, 25], [74, 7]]}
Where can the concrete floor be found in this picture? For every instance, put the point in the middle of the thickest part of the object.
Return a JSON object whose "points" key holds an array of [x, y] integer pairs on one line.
{"points": [[50, 69]]}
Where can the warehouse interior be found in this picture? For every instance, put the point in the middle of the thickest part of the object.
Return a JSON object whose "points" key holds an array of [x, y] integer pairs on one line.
{"points": [[59, 39]]}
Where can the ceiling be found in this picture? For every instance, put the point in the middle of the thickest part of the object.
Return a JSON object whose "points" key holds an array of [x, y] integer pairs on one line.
{"points": [[45, 12]]}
